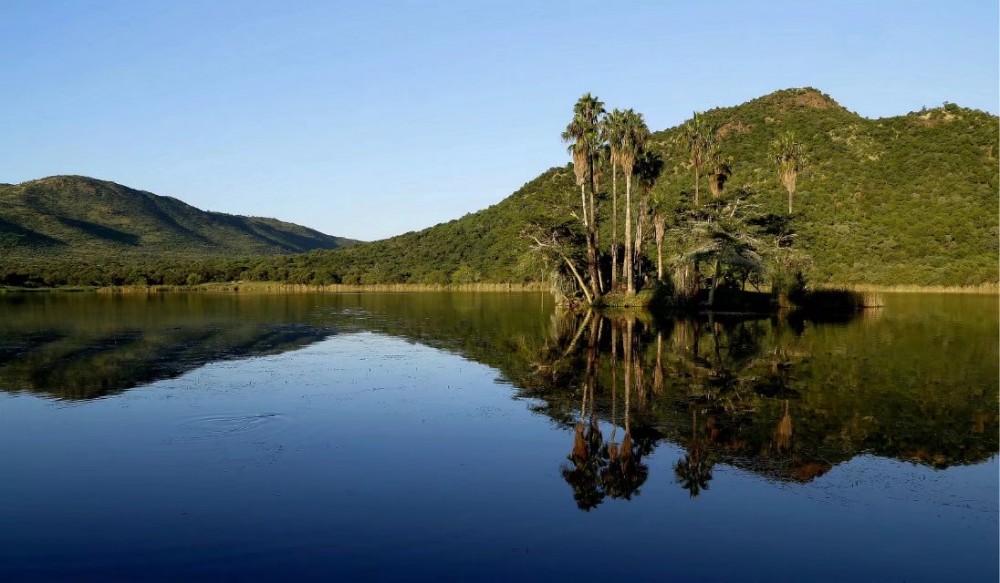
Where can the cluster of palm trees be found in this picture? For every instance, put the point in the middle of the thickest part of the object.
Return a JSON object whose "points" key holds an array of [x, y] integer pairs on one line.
{"points": [[597, 138], [620, 136]]}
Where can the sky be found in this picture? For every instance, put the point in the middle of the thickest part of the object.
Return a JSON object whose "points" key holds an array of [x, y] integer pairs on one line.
{"points": [[370, 119]]}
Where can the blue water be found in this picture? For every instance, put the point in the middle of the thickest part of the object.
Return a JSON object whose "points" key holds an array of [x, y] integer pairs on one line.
{"points": [[371, 456]]}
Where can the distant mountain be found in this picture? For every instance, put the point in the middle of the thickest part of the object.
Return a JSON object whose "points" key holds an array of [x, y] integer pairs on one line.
{"points": [[67, 217], [910, 199]]}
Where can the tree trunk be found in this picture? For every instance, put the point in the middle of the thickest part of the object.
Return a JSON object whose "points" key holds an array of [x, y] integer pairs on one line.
{"points": [[659, 228], [595, 282], [696, 181], [640, 227], [614, 226], [593, 242], [629, 280], [593, 206], [579, 280]]}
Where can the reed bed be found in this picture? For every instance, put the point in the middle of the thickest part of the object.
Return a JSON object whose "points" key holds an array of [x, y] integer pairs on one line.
{"points": [[983, 289], [275, 287]]}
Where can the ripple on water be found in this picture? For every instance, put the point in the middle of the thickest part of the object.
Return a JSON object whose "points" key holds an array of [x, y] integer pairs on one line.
{"points": [[204, 427]]}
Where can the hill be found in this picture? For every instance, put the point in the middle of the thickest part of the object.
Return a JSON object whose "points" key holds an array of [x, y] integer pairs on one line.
{"points": [[910, 199], [80, 218], [904, 200]]}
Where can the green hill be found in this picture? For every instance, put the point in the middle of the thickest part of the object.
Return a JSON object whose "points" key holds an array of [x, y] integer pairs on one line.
{"points": [[910, 199], [79, 218], [905, 200]]}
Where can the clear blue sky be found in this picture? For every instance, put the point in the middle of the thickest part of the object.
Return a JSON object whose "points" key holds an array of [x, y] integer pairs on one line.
{"points": [[369, 119]]}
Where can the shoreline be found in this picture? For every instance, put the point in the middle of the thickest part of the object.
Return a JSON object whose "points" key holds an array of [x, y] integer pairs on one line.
{"points": [[276, 287]]}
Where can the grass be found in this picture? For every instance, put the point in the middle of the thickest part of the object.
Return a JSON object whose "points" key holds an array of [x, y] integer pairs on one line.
{"points": [[277, 287], [985, 288], [641, 299]]}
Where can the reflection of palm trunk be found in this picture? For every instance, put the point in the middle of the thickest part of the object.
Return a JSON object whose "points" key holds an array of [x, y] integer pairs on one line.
{"points": [[614, 379], [716, 345], [591, 375], [697, 338], [658, 372], [629, 331]]}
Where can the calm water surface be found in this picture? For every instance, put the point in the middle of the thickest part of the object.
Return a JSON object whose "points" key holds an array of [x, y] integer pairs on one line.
{"points": [[490, 437]]}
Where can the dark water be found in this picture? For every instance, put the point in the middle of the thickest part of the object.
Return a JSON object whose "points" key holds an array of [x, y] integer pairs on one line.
{"points": [[487, 437]]}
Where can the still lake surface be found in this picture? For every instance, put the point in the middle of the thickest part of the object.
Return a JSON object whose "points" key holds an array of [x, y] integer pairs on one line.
{"points": [[490, 437]]}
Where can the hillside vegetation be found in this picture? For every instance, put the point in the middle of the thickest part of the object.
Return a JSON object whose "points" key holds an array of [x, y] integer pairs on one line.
{"points": [[83, 218], [906, 200], [910, 199]]}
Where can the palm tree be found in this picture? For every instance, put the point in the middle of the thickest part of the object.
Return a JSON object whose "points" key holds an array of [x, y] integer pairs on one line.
{"points": [[648, 168], [583, 135], [789, 156], [659, 230], [695, 136], [633, 139], [720, 169], [612, 130]]}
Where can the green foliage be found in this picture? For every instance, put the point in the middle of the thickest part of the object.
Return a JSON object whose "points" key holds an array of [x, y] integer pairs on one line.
{"points": [[910, 200], [902, 200]]}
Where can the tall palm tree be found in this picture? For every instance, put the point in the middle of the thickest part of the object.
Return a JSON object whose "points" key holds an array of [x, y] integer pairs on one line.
{"points": [[583, 134], [695, 136], [612, 129], [648, 168], [659, 230], [789, 156], [633, 140], [720, 169]]}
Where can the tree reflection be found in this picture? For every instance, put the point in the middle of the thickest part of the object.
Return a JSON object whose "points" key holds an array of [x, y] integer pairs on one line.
{"points": [[596, 469], [589, 456], [694, 471]]}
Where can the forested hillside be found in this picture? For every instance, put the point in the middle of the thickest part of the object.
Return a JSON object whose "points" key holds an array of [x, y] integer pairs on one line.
{"points": [[911, 200], [85, 219]]}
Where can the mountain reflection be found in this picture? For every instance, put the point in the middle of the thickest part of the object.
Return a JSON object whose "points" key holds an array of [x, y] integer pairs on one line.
{"points": [[84, 347], [786, 398]]}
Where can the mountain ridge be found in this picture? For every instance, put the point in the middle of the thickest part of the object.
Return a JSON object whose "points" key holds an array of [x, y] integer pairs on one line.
{"points": [[89, 217]]}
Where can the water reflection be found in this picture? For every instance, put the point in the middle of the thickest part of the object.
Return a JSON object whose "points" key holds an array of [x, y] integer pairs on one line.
{"points": [[600, 469], [787, 399], [761, 395], [85, 346]]}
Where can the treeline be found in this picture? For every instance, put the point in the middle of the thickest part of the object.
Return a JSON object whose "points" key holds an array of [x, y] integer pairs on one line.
{"points": [[307, 269]]}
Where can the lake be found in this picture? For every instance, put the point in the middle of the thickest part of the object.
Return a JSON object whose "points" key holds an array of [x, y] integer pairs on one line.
{"points": [[482, 437]]}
